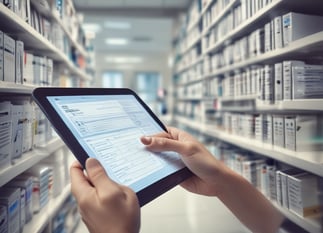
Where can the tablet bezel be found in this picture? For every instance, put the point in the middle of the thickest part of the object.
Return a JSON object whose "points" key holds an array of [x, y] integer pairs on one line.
{"points": [[40, 97]]}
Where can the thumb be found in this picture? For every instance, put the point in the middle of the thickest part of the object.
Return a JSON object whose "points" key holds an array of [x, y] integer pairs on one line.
{"points": [[96, 173]]}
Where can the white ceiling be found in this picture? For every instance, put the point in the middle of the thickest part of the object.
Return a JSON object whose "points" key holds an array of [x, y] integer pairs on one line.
{"points": [[151, 24]]}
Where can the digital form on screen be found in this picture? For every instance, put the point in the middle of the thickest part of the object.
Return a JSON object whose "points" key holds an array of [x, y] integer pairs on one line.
{"points": [[109, 129]]}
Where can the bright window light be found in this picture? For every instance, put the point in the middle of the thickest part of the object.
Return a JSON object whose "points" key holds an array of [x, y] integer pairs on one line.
{"points": [[117, 41], [117, 25]]}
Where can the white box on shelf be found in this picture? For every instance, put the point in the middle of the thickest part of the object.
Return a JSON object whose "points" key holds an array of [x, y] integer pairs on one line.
{"points": [[25, 182], [307, 82], [268, 129], [278, 90], [40, 195], [10, 197], [287, 77], [19, 64], [268, 44], [9, 51], [298, 25], [303, 195], [278, 130], [269, 84], [278, 32], [284, 183], [272, 192], [28, 70], [301, 133], [259, 127], [27, 140], [5, 130], [17, 130], [1, 56]]}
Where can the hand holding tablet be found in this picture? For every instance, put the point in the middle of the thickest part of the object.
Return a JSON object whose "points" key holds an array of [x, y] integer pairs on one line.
{"points": [[107, 124]]}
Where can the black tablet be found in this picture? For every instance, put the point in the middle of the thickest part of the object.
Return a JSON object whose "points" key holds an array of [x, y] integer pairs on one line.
{"points": [[107, 124]]}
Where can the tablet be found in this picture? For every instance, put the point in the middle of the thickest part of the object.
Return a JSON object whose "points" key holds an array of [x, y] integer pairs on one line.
{"points": [[107, 123]]}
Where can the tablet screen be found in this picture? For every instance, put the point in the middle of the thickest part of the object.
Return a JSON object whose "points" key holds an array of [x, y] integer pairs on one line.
{"points": [[109, 127]]}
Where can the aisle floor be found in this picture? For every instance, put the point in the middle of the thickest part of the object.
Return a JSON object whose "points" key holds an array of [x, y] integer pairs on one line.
{"points": [[181, 211]]}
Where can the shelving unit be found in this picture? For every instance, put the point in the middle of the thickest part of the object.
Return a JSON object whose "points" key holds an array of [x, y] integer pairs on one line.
{"points": [[34, 41], [190, 71], [36, 44], [40, 220], [29, 159]]}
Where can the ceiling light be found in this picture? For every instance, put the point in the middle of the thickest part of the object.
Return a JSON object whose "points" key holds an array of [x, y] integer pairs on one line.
{"points": [[117, 41], [117, 25], [123, 60], [92, 27]]}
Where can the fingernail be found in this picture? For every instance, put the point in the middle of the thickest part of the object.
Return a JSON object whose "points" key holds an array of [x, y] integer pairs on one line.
{"points": [[147, 139], [92, 163]]}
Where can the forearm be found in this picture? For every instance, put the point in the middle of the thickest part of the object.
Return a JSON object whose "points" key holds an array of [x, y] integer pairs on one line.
{"points": [[248, 204]]}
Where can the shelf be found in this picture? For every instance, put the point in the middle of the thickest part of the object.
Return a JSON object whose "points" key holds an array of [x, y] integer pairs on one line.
{"points": [[308, 161], [28, 160], [13, 88], [190, 82], [187, 67], [310, 224], [34, 41], [292, 105], [224, 11], [40, 220], [299, 48], [245, 27], [284, 106], [75, 44]]}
